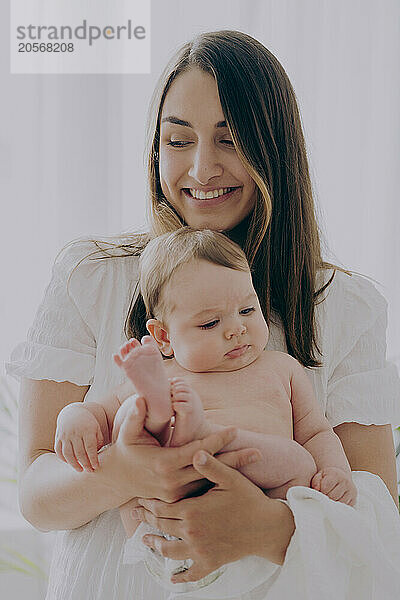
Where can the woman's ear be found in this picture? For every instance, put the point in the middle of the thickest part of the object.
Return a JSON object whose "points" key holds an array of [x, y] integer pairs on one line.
{"points": [[159, 333]]}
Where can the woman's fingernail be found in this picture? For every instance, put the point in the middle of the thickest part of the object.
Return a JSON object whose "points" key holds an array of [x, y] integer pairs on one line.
{"points": [[202, 458], [135, 513]]}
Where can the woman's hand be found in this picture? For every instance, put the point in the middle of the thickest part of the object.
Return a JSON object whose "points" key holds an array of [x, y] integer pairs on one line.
{"points": [[147, 470], [232, 520]]}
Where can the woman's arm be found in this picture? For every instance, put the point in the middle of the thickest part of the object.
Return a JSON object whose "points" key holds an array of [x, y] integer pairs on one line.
{"points": [[371, 448], [54, 496]]}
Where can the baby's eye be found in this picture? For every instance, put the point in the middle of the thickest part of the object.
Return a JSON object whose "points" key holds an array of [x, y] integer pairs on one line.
{"points": [[209, 325], [247, 311], [227, 142]]}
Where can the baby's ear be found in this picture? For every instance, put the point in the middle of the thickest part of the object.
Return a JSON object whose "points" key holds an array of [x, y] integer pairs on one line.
{"points": [[159, 333]]}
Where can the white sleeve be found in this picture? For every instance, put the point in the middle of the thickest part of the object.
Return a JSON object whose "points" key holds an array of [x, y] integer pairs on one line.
{"points": [[338, 551], [362, 385], [60, 344]]}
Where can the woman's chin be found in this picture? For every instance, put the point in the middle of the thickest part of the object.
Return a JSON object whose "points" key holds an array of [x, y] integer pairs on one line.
{"points": [[215, 224]]}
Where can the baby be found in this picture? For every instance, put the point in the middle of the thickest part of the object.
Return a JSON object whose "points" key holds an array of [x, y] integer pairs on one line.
{"points": [[204, 317]]}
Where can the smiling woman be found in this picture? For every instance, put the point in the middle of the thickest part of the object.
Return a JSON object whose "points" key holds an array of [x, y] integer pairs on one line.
{"points": [[197, 153]]}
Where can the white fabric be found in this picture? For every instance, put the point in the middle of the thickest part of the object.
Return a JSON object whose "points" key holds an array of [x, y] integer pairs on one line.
{"points": [[80, 324], [160, 566]]}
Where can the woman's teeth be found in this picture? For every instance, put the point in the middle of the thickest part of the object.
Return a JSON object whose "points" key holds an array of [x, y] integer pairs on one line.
{"points": [[207, 195]]}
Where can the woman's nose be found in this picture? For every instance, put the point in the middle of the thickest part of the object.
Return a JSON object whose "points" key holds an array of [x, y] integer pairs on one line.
{"points": [[236, 330], [205, 164]]}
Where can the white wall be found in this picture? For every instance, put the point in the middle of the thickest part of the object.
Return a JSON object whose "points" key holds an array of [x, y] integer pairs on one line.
{"points": [[71, 147]]}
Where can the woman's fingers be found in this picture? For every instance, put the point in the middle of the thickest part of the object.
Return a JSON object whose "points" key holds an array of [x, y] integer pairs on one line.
{"points": [[161, 509], [170, 526], [176, 549], [217, 472], [212, 443], [133, 423], [239, 458]]}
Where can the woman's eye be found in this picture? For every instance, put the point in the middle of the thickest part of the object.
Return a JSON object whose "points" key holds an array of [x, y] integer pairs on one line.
{"points": [[247, 311], [183, 144], [209, 325], [177, 143]]}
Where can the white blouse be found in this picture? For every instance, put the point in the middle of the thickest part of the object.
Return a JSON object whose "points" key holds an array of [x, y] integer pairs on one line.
{"points": [[79, 325]]}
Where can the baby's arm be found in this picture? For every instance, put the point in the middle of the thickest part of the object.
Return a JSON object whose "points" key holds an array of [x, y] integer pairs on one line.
{"points": [[85, 427], [312, 430]]}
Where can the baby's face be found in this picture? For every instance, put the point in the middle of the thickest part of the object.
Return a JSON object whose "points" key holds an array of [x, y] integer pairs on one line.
{"points": [[214, 320]]}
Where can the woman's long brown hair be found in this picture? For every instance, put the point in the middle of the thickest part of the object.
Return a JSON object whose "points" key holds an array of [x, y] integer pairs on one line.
{"points": [[282, 243]]}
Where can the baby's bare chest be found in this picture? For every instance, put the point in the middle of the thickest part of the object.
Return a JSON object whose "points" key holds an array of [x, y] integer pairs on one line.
{"points": [[256, 398]]}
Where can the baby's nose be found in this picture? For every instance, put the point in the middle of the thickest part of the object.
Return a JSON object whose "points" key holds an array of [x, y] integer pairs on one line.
{"points": [[237, 330]]}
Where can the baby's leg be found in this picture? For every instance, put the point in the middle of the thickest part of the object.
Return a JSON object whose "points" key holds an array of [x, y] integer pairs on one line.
{"points": [[190, 422], [283, 463], [143, 365], [297, 468]]}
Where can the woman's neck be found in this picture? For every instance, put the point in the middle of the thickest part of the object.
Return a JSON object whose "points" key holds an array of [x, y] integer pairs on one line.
{"points": [[239, 233]]}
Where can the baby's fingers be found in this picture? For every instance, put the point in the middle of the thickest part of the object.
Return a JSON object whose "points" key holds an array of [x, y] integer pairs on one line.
{"points": [[328, 483], [348, 498], [91, 446], [316, 481], [69, 456], [58, 450], [337, 491], [81, 455]]}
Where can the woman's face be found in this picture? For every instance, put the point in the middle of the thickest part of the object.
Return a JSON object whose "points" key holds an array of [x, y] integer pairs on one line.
{"points": [[198, 158]]}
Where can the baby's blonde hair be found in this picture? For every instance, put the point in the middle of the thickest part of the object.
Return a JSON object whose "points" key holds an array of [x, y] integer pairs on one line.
{"points": [[165, 253]]}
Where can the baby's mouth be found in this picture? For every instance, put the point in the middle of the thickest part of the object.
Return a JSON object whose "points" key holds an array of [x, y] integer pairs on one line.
{"points": [[238, 351]]}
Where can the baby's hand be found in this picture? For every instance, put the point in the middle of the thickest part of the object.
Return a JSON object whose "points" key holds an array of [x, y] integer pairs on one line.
{"points": [[336, 484], [78, 437]]}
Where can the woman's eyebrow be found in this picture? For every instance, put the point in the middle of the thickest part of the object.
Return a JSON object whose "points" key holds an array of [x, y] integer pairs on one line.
{"points": [[177, 121]]}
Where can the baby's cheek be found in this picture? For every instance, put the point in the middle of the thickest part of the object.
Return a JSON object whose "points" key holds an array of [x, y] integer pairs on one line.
{"points": [[197, 358]]}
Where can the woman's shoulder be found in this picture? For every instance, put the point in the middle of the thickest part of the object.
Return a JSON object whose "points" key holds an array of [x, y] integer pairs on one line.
{"points": [[350, 292], [348, 307], [90, 259], [97, 276]]}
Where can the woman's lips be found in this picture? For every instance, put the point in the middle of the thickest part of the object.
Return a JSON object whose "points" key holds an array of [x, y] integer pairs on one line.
{"points": [[207, 202], [237, 351]]}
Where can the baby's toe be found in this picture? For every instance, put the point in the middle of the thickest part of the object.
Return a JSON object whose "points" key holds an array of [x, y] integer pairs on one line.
{"points": [[133, 343], [124, 351]]}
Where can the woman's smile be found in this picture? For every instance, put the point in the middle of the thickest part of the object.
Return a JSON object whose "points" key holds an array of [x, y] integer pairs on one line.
{"points": [[200, 199]]}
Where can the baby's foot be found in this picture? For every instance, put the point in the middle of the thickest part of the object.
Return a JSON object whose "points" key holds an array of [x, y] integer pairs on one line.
{"points": [[190, 422], [143, 365]]}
